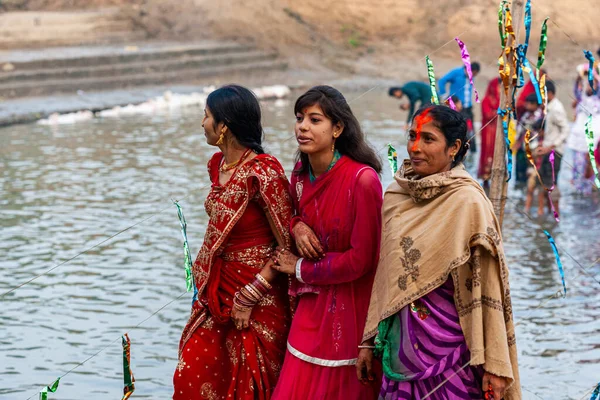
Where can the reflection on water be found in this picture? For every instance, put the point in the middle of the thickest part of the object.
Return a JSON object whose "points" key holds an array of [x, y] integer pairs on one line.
{"points": [[66, 188]]}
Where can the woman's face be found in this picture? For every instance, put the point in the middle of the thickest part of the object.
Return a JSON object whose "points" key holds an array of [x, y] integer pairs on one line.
{"points": [[315, 132], [208, 123], [427, 148]]}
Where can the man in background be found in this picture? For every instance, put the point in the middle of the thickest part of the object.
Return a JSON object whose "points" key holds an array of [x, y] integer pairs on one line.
{"points": [[415, 92], [461, 87]]}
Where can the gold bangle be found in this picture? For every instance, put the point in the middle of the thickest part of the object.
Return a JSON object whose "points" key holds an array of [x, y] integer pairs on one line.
{"points": [[241, 308]]}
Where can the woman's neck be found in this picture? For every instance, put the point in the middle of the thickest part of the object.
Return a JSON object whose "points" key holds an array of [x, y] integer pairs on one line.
{"points": [[319, 162], [232, 153]]}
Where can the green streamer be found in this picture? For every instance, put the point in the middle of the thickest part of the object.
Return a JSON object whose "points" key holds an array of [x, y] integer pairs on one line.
{"points": [[189, 280], [393, 158], [431, 74], [501, 24], [52, 389], [542, 49], [589, 134], [500, 27], [128, 378]]}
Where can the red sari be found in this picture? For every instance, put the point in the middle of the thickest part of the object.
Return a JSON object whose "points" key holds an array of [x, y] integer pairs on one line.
{"points": [[489, 111], [248, 216], [343, 207]]}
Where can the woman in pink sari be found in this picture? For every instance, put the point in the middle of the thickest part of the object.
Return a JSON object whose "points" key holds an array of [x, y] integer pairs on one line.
{"points": [[337, 197]]}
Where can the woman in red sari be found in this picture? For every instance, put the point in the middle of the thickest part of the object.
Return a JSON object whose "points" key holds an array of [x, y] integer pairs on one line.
{"points": [[337, 199], [234, 342], [489, 111]]}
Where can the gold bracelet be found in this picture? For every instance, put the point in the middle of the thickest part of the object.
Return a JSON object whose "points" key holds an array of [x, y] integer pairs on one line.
{"points": [[241, 308]]}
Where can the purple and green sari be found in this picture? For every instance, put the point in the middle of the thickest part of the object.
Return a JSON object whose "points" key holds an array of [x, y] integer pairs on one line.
{"points": [[422, 346]]}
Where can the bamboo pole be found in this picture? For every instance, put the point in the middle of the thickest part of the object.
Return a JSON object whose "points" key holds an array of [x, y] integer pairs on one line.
{"points": [[499, 186]]}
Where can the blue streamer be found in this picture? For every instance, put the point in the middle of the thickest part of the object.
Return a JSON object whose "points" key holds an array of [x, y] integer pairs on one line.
{"points": [[524, 65], [590, 58], [560, 267], [527, 25], [505, 116], [189, 277], [596, 394]]}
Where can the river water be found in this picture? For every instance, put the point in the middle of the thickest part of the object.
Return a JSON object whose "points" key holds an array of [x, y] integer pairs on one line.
{"points": [[66, 188]]}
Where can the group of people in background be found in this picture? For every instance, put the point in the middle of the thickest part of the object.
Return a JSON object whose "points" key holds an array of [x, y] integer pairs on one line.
{"points": [[551, 131], [320, 286]]}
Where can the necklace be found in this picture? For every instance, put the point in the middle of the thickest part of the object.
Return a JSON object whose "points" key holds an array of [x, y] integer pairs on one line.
{"points": [[228, 167]]}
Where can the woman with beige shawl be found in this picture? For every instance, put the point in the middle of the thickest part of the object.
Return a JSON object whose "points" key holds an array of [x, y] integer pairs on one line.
{"points": [[440, 315]]}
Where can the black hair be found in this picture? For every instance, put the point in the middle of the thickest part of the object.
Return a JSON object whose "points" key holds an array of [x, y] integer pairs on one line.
{"points": [[455, 99], [452, 124], [598, 51], [550, 87], [351, 142], [475, 67], [239, 110], [393, 90], [531, 98]]}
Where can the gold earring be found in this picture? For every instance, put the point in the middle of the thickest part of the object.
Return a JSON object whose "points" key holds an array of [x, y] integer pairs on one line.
{"points": [[453, 155], [333, 145], [221, 139]]}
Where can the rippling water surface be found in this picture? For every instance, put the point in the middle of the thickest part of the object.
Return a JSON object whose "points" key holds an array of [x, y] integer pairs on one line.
{"points": [[67, 188]]}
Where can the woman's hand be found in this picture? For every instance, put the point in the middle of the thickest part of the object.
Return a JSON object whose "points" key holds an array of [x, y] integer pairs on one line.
{"points": [[307, 242], [498, 384], [241, 319], [285, 261], [364, 364]]}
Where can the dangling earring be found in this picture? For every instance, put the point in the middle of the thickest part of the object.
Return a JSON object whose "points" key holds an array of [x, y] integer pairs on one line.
{"points": [[221, 138], [333, 144]]}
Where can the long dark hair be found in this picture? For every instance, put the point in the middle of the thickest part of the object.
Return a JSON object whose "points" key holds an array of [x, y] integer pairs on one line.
{"points": [[352, 141], [238, 109], [452, 124]]}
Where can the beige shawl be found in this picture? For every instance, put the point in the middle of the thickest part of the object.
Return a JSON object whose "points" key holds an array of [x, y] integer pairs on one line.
{"points": [[439, 226]]}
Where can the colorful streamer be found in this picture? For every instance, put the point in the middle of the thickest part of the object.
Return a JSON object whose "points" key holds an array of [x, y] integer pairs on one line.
{"points": [[393, 158], [52, 389], [464, 54], [128, 379], [551, 159], [591, 60], [543, 93], [527, 25], [431, 74], [589, 134], [501, 24], [558, 262], [596, 393], [543, 44], [526, 67], [189, 278], [505, 121], [451, 103], [507, 71]]}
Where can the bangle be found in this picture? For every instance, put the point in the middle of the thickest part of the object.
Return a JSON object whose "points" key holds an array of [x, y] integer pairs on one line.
{"points": [[260, 286], [241, 308], [256, 295], [243, 300], [264, 281], [366, 347]]}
